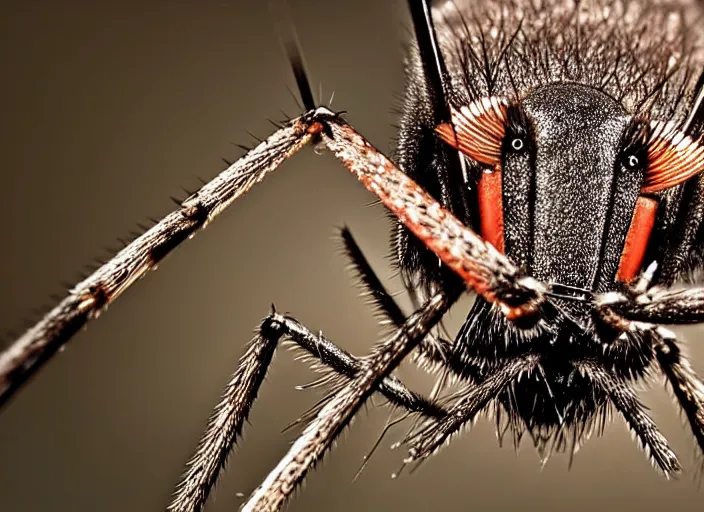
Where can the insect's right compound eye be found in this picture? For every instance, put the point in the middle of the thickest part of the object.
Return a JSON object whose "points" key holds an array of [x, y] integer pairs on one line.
{"points": [[632, 161], [478, 130], [635, 159]]}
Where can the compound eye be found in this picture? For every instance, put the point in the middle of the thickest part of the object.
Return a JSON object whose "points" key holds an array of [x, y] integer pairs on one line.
{"points": [[518, 144], [478, 130], [634, 157]]}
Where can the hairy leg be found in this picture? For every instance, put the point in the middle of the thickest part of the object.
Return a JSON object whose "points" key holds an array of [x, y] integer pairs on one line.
{"points": [[686, 384], [336, 414], [633, 412], [434, 432], [225, 424]]}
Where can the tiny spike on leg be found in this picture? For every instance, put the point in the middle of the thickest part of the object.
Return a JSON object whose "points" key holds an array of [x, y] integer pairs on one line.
{"points": [[319, 435]]}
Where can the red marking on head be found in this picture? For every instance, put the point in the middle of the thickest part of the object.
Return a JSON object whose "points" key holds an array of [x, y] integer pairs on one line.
{"points": [[491, 209], [637, 239], [478, 130]]}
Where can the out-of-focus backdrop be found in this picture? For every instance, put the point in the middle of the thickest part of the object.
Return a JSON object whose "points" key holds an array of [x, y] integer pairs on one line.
{"points": [[109, 108]]}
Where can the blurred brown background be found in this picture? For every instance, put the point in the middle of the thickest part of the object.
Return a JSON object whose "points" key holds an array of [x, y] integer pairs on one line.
{"points": [[107, 109]]}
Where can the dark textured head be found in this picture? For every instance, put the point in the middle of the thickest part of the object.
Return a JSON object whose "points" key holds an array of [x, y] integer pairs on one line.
{"points": [[570, 159], [569, 180]]}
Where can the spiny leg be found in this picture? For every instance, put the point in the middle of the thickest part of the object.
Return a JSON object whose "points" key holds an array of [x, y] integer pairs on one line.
{"points": [[344, 364], [627, 404], [336, 414], [686, 384], [436, 350], [435, 353], [433, 433], [640, 310], [90, 297], [484, 269], [655, 306], [225, 424]]}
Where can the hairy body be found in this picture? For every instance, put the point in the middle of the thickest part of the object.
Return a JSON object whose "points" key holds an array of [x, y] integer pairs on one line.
{"points": [[578, 77]]}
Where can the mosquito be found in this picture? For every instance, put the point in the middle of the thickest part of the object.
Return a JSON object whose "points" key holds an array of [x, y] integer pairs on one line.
{"points": [[549, 161]]}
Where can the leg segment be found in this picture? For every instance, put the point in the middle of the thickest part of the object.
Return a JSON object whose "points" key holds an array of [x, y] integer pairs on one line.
{"points": [[225, 424], [434, 350], [655, 306], [686, 384], [343, 363], [483, 268], [433, 433], [319, 435], [90, 297], [638, 421]]}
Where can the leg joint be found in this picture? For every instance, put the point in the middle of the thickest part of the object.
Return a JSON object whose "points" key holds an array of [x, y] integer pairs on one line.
{"points": [[273, 326]]}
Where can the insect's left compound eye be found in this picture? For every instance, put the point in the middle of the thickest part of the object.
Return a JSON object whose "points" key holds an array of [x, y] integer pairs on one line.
{"points": [[478, 130], [634, 157]]}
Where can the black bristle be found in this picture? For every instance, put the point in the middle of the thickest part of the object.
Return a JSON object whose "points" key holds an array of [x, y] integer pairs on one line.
{"points": [[433, 64], [254, 136], [289, 40], [695, 120]]}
